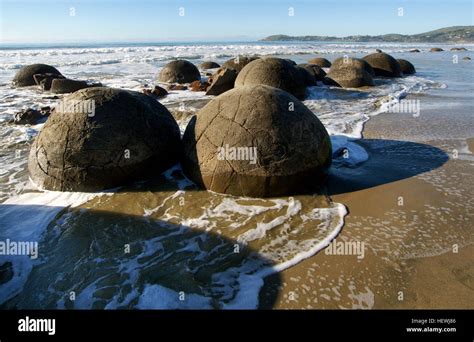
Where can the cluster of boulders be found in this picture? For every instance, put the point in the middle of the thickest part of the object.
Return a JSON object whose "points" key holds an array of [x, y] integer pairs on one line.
{"points": [[49, 79], [128, 136], [279, 146]]}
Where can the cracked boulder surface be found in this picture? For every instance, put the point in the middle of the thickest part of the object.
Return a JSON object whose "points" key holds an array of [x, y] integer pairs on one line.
{"points": [[293, 148], [25, 76], [384, 64], [274, 72], [179, 71], [129, 137]]}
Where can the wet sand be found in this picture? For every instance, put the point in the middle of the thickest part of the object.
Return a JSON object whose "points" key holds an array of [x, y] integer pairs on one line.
{"points": [[417, 227]]}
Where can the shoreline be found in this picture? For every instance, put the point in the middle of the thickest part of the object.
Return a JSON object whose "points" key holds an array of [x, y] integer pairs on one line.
{"points": [[405, 265]]}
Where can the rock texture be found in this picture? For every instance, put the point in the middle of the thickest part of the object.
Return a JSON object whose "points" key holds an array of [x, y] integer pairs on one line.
{"points": [[358, 63], [348, 77], [321, 62], [238, 63], [274, 72]]}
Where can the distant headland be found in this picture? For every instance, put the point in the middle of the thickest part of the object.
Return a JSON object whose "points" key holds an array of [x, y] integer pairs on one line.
{"points": [[453, 34]]}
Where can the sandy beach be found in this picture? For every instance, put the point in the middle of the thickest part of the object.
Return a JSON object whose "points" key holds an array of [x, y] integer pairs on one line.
{"points": [[418, 251]]}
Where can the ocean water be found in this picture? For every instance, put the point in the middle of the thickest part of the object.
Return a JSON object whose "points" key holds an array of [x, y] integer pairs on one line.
{"points": [[164, 243]]}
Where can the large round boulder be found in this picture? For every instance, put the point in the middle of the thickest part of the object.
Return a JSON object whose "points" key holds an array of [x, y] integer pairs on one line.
{"points": [[407, 67], [348, 77], [25, 76], [352, 62], [179, 71], [274, 72], [256, 141], [384, 64], [99, 138], [239, 62], [321, 62]]}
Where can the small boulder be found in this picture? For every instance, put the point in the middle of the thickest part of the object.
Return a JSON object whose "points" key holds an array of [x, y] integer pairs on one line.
{"points": [[66, 85], [348, 77], [436, 50], [316, 71], [28, 116], [209, 65], [458, 49], [221, 81], [274, 72], [414, 50], [25, 76], [248, 142], [238, 63], [99, 138], [321, 62], [179, 71], [384, 65], [45, 80], [407, 67], [466, 58]]}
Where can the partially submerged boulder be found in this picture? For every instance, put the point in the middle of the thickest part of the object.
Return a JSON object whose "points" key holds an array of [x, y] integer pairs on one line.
{"points": [[239, 62], [99, 138], [209, 65], [256, 141], [383, 65], [343, 62], [435, 49], [274, 72], [179, 71], [316, 71], [321, 62], [25, 76], [407, 67], [348, 77], [66, 85], [31, 116]]}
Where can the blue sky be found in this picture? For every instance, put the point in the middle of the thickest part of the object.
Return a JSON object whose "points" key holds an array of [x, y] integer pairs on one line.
{"points": [[34, 21]]}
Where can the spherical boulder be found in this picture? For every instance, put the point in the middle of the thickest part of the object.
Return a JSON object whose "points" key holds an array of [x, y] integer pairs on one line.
{"points": [[25, 76], [322, 62], [209, 65], [316, 71], [179, 71], [274, 72], [256, 141], [348, 77], [343, 62], [383, 64], [436, 49], [99, 138], [407, 67], [239, 62]]}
